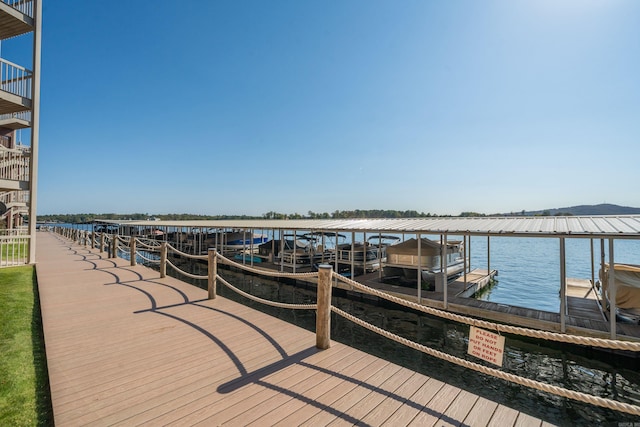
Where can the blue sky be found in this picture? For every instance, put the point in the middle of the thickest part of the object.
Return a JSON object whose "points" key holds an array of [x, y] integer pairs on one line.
{"points": [[246, 107]]}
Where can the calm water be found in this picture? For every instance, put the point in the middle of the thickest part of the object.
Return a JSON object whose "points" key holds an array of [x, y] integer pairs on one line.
{"points": [[529, 268]]}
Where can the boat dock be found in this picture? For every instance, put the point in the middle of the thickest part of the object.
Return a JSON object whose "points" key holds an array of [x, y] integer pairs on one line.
{"points": [[125, 347], [584, 315]]}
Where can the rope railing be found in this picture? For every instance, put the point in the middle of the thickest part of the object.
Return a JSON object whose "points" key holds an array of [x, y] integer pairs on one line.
{"points": [[143, 244], [184, 273], [265, 301], [502, 328], [549, 388], [184, 254], [263, 271], [146, 258]]}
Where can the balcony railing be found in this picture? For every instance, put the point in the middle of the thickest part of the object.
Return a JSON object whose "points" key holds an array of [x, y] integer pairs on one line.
{"points": [[22, 115], [24, 6], [15, 79], [10, 198], [14, 165]]}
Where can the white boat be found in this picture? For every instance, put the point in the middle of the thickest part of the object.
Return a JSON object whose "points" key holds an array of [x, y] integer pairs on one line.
{"points": [[243, 240], [298, 250], [364, 256], [235, 240], [403, 260]]}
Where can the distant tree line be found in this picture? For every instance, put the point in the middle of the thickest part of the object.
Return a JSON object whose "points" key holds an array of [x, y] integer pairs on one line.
{"points": [[358, 213], [87, 218]]}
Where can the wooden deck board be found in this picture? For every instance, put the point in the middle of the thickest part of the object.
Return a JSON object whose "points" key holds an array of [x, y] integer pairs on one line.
{"points": [[420, 399], [390, 404], [125, 347]]}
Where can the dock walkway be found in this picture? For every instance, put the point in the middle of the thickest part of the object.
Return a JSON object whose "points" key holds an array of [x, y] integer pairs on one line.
{"points": [[125, 347]]}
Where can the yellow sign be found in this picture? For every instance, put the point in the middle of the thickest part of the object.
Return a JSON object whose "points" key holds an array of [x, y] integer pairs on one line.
{"points": [[486, 345]]}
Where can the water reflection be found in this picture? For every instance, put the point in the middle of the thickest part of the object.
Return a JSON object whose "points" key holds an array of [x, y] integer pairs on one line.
{"points": [[590, 371]]}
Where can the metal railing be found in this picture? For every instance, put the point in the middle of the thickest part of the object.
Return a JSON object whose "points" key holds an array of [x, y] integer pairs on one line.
{"points": [[22, 115], [15, 79], [14, 250], [24, 6]]}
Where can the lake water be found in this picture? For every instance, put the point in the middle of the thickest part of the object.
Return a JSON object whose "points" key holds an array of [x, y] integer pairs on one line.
{"points": [[529, 268]]}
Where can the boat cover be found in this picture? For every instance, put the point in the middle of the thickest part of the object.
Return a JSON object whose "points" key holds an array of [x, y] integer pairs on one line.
{"points": [[628, 284], [428, 248]]}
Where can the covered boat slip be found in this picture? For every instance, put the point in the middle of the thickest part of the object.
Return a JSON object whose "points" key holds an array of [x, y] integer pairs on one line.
{"points": [[602, 231]]}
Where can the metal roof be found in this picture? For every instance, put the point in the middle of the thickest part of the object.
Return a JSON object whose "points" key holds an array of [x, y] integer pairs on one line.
{"points": [[618, 226]]}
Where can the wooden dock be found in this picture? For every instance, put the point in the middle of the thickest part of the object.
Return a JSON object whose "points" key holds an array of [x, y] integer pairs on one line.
{"points": [[125, 347]]}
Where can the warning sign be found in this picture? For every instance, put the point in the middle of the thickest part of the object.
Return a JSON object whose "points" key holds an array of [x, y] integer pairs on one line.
{"points": [[486, 345]]}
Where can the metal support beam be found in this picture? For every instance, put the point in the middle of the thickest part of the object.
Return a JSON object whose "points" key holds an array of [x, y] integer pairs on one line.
{"points": [[563, 288], [35, 128]]}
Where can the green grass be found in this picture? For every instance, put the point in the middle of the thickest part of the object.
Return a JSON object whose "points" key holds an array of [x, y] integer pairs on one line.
{"points": [[24, 386]]}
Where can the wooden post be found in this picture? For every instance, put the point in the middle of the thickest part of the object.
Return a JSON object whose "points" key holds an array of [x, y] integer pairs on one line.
{"points": [[132, 250], [114, 246], [101, 242], [323, 316], [163, 259], [213, 272]]}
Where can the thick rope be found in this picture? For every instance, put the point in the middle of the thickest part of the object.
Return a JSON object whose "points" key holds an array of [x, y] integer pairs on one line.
{"points": [[264, 272], [534, 333], [184, 254], [184, 273], [147, 245], [268, 302], [575, 395], [147, 259]]}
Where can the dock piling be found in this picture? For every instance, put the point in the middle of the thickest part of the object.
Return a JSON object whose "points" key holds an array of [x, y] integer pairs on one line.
{"points": [[323, 316], [213, 272]]}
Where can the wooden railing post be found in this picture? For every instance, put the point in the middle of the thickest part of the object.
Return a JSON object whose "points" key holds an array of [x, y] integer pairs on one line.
{"points": [[213, 272], [163, 259], [114, 246], [132, 250], [101, 242], [323, 316]]}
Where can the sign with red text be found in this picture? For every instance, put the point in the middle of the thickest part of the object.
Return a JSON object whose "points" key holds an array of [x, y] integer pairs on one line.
{"points": [[486, 345]]}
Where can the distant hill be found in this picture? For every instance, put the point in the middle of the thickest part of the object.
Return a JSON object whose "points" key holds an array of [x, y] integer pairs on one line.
{"points": [[602, 209]]}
